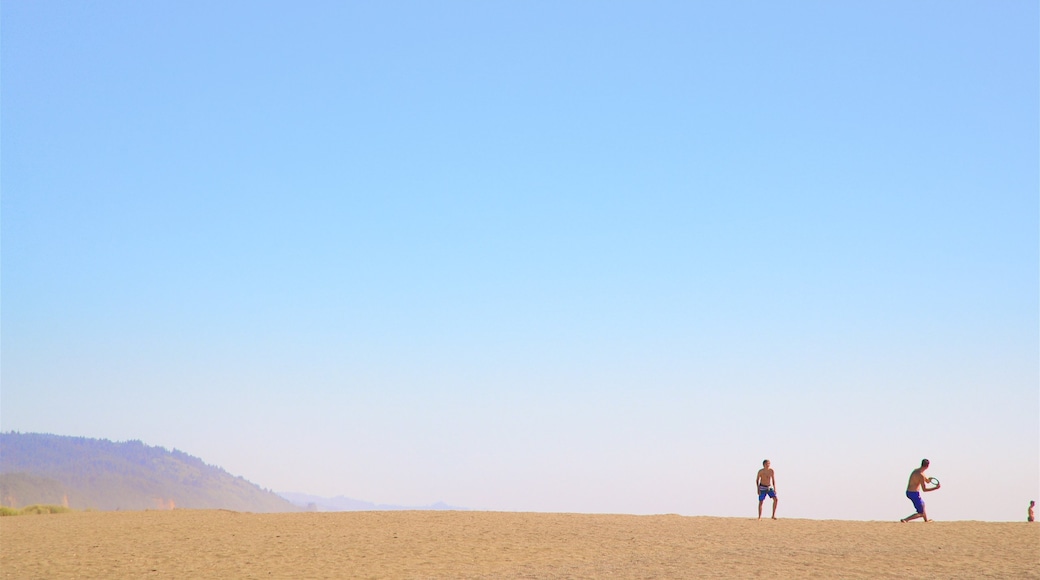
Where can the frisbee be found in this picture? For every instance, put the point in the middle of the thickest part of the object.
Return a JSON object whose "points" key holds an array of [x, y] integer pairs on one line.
{"points": [[933, 481]]}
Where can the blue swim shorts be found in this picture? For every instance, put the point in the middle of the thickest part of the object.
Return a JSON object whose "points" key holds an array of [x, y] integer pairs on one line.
{"points": [[915, 496], [763, 491]]}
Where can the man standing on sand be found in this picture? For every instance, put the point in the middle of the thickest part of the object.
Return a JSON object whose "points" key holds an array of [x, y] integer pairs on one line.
{"points": [[914, 487], [765, 482], [1031, 517]]}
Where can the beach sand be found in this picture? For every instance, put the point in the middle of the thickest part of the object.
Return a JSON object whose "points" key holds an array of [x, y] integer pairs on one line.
{"points": [[461, 544]]}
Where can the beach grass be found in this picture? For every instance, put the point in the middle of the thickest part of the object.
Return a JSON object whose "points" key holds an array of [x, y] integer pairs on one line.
{"points": [[36, 509]]}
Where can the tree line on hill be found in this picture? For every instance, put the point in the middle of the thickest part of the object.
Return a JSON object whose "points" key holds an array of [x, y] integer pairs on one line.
{"points": [[83, 473]]}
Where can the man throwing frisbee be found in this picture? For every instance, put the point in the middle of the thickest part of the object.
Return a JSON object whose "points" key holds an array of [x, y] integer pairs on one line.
{"points": [[766, 484], [914, 487]]}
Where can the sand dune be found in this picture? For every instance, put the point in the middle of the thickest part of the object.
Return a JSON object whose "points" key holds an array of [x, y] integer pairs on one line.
{"points": [[221, 544]]}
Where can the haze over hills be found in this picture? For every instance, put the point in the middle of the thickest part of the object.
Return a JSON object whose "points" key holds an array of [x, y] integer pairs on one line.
{"points": [[346, 504], [83, 473]]}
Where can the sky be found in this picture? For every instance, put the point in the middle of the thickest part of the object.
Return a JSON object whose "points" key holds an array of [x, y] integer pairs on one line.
{"points": [[577, 256]]}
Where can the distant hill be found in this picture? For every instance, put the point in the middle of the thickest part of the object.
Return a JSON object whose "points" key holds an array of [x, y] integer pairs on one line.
{"points": [[83, 473], [346, 504]]}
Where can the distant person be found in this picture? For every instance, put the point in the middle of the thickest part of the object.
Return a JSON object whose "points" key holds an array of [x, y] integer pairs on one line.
{"points": [[765, 482], [914, 487], [1031, 517]]}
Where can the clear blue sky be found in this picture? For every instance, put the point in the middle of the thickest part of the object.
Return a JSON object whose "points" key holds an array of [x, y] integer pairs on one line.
{"points": [[550, 256]]}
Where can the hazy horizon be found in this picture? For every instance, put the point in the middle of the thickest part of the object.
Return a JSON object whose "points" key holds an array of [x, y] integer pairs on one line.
{"points": [[535, 256]]}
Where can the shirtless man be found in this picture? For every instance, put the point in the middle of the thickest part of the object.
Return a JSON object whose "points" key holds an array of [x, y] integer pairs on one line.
{"points": [[765, 483], [914, 487]]}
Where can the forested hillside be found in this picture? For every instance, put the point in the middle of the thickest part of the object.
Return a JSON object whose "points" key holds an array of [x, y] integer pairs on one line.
{"points": [[99, 474]]}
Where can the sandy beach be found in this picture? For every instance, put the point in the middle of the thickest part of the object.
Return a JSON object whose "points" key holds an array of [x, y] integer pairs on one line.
{"points": [[428, 544]]}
